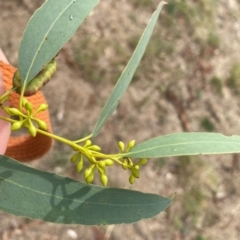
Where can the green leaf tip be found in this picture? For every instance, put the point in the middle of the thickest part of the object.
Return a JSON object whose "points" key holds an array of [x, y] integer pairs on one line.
{"points": [[127, 75]]}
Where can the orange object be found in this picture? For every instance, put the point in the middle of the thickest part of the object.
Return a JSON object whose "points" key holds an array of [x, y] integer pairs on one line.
{"points": [[26, 148]]}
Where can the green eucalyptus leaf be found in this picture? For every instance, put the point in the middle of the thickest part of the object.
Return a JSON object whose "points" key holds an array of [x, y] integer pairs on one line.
{"points": [[51, 26], [31, 193], [178, 144], [127, 74]]}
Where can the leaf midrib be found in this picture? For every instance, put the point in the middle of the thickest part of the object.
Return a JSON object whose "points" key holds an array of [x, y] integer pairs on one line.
{"points": [[175, 144], [76, 200], [41, 43]]}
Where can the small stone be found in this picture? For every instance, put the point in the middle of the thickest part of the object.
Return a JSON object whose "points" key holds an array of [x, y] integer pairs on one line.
{"points": [[72, 234]]}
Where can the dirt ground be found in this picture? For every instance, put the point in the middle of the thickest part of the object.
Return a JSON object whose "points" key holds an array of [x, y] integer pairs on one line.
{"points": [[189, 80]]}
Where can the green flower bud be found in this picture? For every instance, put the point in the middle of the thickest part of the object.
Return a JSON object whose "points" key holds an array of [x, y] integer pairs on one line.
{"points": [[32, 129], [90, 178], [75, 157], [16, 125], [29, 106], [88, 143], [136, 167], [121, 146], [79, 166], [14, 112], [41, 124], [142, 161], [24, 102], [125, 164], [101, 164], [135, 172], [131, 144], [104, 179], [88, 171], [108, 162], [132, 179], [94, 148], [42, 107]]}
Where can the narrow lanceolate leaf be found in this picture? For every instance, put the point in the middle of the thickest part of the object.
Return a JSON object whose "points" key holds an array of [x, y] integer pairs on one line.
{"points": [[28, 192], [178, 144], [127, 74], [48, 30]]}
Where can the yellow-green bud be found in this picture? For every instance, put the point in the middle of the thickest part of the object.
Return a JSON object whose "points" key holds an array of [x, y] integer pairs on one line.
{"points": [[79, 166], [135, 172], [16, 125], [88, 171], [131, 144], [104, 179], [108, 162], [132, 179], [88, 143], [90, 178], [28, 106], [41, 124], [121, 146], [125, 164], [13, 111], [42, 107], [24, 101], [75, 157], [94, 148], [142, 161], [101, 164], [136, 167], [32, 129]]}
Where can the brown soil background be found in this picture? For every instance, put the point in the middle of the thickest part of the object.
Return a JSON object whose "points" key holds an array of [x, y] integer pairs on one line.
{"points": [[189, 80]]}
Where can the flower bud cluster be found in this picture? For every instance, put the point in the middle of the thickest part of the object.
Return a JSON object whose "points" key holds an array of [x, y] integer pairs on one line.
{"points": [[127, 162], [134, 169], [99, 162], [95, 163], [26, 117]]}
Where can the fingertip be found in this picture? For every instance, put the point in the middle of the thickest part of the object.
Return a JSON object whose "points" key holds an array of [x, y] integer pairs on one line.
{"points": [[3, 57], [4, 135], [4, 126]]}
